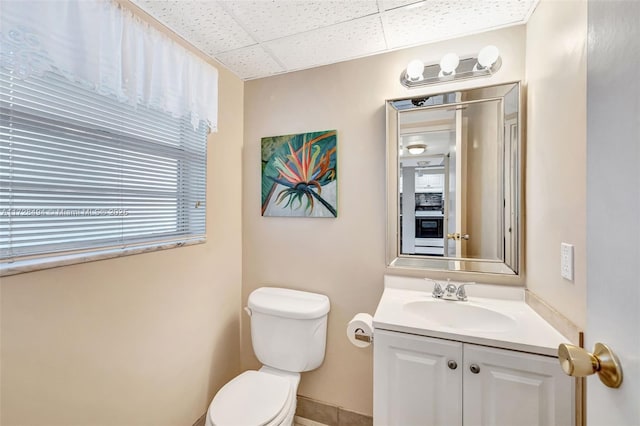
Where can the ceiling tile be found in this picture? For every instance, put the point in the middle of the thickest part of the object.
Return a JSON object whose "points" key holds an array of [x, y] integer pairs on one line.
{"points": [[205, 24], [269, 20], [440, 19], [332, 44], [393, 4], [250, 62]]}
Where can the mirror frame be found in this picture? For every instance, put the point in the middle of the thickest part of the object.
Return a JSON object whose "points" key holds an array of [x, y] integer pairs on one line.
{"points": [[397, 260]]}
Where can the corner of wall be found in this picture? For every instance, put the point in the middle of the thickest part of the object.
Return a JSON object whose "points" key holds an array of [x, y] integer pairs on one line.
{"points": [[556, 153]]}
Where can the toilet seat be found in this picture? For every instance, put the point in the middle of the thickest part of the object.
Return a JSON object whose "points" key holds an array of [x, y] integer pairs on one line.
{"points": [[253, 398]]}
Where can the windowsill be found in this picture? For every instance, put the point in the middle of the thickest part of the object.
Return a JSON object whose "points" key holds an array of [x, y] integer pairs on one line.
{"points": [[40, 263]]}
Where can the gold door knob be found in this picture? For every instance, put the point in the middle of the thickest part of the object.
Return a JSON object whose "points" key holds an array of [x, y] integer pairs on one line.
{"points": [[457, 236], [577, 362]]}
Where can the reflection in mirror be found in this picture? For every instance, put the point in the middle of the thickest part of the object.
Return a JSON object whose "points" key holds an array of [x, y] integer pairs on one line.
{"points": [[454, 180]]}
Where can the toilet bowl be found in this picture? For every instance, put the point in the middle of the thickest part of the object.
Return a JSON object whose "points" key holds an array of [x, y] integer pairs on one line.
{"points": [[265, 397], [288, 333]]}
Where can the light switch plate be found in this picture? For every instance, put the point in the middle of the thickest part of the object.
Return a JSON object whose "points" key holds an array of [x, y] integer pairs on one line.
{"points": [[566, 261]]}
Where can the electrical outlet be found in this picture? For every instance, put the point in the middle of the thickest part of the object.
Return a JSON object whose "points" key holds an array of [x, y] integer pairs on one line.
{"points": [[566, 261]]}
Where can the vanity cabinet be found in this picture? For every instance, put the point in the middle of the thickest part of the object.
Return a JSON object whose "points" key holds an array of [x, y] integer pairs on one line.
{"points": [[428, 381], [412, 384]]}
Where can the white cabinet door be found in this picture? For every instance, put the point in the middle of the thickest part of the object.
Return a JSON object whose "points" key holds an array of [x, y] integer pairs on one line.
{"points": [[412, 383], [421, 182], [435, 181], [513, 389]]}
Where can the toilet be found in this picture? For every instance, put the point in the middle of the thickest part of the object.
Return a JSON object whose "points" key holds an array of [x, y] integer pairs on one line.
{"points": [[288, 332]]}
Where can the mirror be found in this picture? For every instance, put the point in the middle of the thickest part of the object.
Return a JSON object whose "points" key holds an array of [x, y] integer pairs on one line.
{"points": [[454, 180]]}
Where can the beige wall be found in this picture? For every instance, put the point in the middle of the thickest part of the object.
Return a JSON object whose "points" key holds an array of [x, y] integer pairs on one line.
{"points": [[344, 257], [141, 340], [556, 152]]}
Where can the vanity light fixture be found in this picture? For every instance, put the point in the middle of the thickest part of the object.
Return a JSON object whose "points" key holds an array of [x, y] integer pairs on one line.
{"points": [[416, 148], [451, 67]]}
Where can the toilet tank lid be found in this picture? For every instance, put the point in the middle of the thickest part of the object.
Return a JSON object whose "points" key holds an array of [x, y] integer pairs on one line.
{"points": [[287, 303]]}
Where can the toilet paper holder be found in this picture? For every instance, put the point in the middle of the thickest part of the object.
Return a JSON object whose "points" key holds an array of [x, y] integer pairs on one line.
{"points": [[359, 334]]}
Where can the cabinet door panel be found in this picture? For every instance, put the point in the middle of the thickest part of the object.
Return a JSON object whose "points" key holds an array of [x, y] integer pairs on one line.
{"points": [[413, 385], [515, 389]]}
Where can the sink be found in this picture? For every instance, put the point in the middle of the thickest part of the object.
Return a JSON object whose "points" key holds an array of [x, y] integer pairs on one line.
{"points": [[459, 315]]}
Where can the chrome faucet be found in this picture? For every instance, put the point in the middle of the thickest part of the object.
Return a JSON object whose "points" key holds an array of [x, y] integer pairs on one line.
{"points": [[450, 292]]}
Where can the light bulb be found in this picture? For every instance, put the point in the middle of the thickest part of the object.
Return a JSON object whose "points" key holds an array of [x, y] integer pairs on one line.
{"points": [[488, 56], [415, 69], [449, 63]]}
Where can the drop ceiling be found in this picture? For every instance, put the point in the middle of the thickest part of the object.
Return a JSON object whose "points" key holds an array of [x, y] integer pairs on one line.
{"points": [[257, 39]]}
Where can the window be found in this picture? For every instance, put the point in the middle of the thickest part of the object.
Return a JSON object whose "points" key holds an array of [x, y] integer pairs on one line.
{"points": [[83, 171]]}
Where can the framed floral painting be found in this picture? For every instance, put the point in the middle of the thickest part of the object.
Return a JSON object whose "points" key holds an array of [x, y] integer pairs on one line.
{"points": [[300, 175]]}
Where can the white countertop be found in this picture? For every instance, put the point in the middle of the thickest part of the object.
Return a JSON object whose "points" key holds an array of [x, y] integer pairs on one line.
{"points": [[530, 334]]}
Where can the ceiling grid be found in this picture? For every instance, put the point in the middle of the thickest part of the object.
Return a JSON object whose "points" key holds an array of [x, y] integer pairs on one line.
{"points": [[259, 38]]}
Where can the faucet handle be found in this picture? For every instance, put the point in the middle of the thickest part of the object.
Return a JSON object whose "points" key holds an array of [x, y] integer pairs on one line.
{"points": [[461, 294], [437, 288]]}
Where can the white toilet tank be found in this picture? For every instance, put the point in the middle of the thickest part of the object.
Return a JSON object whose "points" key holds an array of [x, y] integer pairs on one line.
{"points": [[288, 328]]}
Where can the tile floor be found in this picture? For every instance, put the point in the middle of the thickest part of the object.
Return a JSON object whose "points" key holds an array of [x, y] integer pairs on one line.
{"points": [[301, 421]]}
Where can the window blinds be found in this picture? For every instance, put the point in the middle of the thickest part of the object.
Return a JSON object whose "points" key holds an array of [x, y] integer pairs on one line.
{"points": [[80, 170]]}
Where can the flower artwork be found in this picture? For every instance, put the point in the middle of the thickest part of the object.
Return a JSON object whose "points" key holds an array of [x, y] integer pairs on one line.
{"points": [[299, 175]]}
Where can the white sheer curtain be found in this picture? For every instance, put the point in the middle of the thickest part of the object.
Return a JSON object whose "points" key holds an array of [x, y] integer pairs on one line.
{"points": [[108, 49]]}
